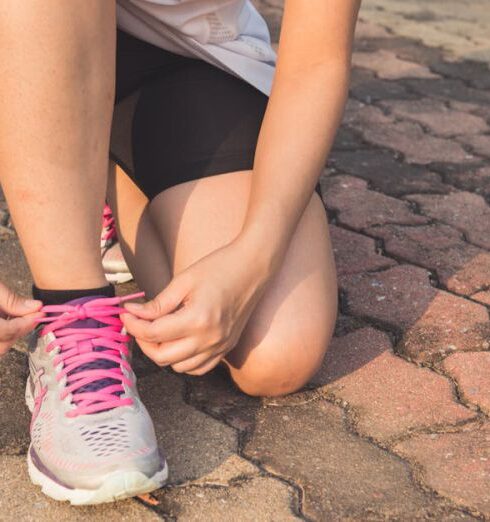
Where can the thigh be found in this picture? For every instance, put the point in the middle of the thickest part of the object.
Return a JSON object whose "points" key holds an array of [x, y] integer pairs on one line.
{"points": [[286, 337]]}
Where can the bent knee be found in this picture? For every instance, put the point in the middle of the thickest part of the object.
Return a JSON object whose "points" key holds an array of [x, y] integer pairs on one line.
{"points": [[273, 378]]}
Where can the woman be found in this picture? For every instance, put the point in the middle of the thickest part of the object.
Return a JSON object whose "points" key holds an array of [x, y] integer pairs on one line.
{"points": [[219, 221]]}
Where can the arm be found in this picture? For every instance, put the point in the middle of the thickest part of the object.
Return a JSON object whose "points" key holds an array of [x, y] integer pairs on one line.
{"points": [[304, 110]]}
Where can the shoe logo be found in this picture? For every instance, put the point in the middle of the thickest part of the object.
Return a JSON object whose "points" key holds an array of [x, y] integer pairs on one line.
{"points": [[36, 383], [38, 392]]}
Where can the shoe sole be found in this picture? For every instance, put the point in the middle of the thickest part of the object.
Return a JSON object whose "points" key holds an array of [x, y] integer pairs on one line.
{"points": [[116, 486], [118, 278]]}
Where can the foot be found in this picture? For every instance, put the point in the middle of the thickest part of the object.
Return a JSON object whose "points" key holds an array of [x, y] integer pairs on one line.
{"points": [[92, 438], [116, 269]]}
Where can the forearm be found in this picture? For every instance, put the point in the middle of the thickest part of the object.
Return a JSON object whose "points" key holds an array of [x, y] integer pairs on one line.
{"points": [[304, 110], [296, 135]]}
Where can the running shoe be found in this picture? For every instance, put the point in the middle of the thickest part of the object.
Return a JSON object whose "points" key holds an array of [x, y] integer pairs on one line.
{"points": [[92, 439], [115, 267]]}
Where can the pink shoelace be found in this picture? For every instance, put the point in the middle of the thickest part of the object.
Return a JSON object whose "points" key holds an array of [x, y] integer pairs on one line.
{"points": [[77, 349], [108, 225]]}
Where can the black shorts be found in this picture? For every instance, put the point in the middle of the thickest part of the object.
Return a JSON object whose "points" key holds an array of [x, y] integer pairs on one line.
{"points": [[178, 119]]}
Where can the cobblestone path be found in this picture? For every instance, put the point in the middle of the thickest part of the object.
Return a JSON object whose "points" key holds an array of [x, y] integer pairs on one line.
{"points": [[396, 424]]}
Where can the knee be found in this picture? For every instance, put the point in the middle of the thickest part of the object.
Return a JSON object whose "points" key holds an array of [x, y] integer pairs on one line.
{"points": [[274, 376]]}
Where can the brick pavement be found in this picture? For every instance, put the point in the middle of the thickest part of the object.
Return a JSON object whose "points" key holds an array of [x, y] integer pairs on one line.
{"points": [[395, 426]]}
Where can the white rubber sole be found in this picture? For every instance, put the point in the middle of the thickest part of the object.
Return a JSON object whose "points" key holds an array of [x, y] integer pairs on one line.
{"points": [[119, 278], [116, 486]]}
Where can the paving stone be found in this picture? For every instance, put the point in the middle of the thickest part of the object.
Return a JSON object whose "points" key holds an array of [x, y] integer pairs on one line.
{"points": [[404, 48], [346, 324], [435, 115], [452, 90], [215, 394], [475, 73], [483, 111], [462, 210], [4, 217], [379, 128], [460, 267], [472, 373], [195, 444], [417, 146], [480, 144], [388, 395], [367, 88], [387, 173], [473, 179], [389, 67], [5, 232], [361, 116], [141, 364], [434, 323], [22, 501], [451, 25], [356, 253], [13, 268], [261, 499], [482, 297], [347, 139], [366, 29], [456, 465], [232, 469], [343, 477], [14, 415], [448, 325], [359, 208]]}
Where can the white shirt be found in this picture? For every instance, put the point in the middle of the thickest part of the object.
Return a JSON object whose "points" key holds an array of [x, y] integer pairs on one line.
{"points": [[230, 34]]}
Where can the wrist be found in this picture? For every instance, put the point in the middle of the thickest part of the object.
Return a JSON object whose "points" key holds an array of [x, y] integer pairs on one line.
{"points": [[261, 250]]}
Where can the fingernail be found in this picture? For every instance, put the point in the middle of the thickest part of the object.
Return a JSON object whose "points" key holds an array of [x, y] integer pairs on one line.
{"points": [[32, 304]]}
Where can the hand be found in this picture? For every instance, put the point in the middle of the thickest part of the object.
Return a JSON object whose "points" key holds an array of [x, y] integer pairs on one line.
{"points": [[17, 317], [199, 317]]}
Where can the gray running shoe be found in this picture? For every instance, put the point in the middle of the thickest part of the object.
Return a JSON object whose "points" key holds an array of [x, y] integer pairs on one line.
{"points": [[92, 438]]}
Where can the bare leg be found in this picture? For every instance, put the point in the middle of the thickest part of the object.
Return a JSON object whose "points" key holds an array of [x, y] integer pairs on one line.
{"points": [[137, 234], [56, 98]]}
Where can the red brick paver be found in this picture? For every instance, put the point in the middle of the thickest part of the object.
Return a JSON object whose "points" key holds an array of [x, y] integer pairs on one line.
{"points": [[356, 253], [435, 115], [463, 210], [460, 267], [472, 373], [456, 465], [433, 322], [389, 396], [359, 208], [388, 66]]}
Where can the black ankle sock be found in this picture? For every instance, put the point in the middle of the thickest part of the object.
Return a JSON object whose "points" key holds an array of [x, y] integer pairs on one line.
{"points": [[56, 297]]}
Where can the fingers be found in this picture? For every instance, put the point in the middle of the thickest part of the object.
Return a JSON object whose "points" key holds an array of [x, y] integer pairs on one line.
{"points": [[13, 329], [164, 303], [181, 350], [13, 304], [183, 356], [196, 367], [167, 328]]}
